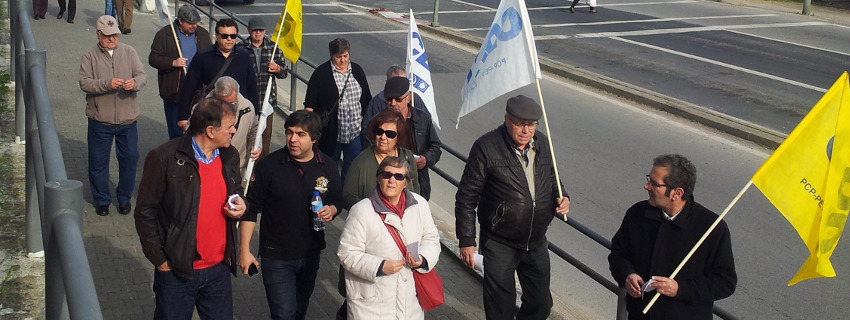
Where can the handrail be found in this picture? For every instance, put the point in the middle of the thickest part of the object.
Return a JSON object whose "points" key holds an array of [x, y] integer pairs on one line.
{"points": [[54, 204]]}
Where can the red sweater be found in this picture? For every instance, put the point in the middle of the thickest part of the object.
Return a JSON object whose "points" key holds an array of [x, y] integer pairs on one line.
{"points": [[211, 235]]}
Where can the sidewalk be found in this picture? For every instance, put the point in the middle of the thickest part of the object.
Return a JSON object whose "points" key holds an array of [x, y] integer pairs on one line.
{"points": [[122, 275]]}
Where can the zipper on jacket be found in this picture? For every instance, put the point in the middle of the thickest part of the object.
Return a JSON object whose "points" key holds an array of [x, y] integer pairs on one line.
{"points": [[531, 225]]}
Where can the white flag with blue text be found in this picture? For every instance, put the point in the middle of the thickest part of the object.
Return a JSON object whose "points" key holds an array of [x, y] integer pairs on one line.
{"points": [[506, 61], [418, 70]]}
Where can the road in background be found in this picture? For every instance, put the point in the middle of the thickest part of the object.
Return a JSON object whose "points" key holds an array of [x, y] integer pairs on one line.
{"points": [[760, 66]]}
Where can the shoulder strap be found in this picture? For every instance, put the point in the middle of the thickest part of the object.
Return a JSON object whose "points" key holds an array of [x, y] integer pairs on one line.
{"points": [[220, 71], [396, 237], [341, 92]]}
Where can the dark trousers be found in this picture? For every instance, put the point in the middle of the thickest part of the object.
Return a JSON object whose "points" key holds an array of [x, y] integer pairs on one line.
{"points": [[348, 151], [289, 285], [171, 110], [532, 268], [39, 7], [209, 290], [100, 137], [72, 8]]}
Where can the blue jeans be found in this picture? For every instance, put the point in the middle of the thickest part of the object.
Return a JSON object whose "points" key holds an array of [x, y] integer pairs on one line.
{"points": [[348, 151], [289, 285], [209, 290], [110, 9], [171, 110], [99, 140], [532, 269]]}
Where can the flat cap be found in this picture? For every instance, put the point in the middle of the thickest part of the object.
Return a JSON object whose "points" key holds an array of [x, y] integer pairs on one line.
{"points": [[524, 108], [188, 14], [256, 24], [396, 87], [107, 25]]}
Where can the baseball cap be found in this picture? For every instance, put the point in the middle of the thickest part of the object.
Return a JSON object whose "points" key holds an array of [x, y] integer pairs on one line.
{"points": [[107, 25]]}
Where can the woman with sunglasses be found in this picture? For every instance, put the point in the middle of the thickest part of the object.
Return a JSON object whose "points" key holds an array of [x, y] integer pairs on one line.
{"points": [[379, 266], [387, 133]]}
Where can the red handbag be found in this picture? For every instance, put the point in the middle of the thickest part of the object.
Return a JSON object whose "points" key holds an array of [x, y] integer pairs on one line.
{"points": [[429, 286]]}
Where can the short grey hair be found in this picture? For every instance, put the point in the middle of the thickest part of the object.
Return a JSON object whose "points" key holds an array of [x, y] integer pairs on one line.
{"points": [[396, 70], [225, 86], [395, 162]]}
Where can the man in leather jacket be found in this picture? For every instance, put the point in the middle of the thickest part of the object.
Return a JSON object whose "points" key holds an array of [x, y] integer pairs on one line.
{"points": [[510, 178], [185, 219]]}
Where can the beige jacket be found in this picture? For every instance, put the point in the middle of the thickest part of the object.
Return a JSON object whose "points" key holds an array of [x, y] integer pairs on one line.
{"points": [[97, 68], [246, 130]]}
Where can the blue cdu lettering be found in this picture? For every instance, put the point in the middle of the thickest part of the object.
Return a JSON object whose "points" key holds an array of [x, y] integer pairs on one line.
{"points": [[419, 83], [511, 20]]}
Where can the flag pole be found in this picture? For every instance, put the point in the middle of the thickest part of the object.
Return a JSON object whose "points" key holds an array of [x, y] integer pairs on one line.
{"points": [[551, 147], [173, 32], [261, 126], [704, 236]]}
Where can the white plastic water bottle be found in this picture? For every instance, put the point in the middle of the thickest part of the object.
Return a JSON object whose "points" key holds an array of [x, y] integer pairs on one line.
{"points": [[316, 203]]}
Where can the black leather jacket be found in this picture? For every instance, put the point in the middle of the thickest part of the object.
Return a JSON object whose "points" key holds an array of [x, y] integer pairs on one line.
{"points": [[167, 205], [493, 181]]}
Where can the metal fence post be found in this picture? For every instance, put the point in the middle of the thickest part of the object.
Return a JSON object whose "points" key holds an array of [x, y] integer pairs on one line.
{"points": [[807, 7], [621, 305], [293, 87], [212, 26], [35, 181], [13, 43], [18, 74], [59, 196], [436, 22]]}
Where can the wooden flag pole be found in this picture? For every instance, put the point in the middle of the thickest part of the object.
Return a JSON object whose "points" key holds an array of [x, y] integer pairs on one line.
{"points": [[173, 32], [704, 236], [551, 147]]}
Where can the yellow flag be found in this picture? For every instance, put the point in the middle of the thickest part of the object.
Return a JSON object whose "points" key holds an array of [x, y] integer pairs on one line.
{"points": [[290, 33], [808, 179]]}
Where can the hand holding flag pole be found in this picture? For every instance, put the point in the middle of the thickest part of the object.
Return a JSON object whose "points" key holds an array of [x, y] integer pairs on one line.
{"points": [[162, 5]]}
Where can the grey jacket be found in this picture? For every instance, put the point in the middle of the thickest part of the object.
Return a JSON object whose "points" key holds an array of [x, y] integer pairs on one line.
{"points": [[97, 68]]}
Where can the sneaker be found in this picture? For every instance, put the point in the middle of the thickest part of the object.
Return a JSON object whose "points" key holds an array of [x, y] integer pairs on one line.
{"points": [[124, 208], [102, 210]]}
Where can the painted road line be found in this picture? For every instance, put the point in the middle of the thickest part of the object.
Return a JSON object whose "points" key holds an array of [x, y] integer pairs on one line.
{"points": [[680, 30]]}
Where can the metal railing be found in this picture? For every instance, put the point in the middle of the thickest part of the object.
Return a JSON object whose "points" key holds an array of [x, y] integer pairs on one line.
{"points": [[54, 204]]}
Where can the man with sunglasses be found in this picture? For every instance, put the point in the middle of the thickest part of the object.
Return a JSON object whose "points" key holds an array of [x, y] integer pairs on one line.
{"points": [[509, 177], [281, 188], [657, 234], [111, 75], [209, 61], [422, 136]]}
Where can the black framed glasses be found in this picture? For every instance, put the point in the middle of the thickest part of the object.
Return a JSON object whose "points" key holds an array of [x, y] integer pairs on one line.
{"points": [[519, 125], [386, 175], [399, 99], [231, 36], [390, 134], [653, 184]]}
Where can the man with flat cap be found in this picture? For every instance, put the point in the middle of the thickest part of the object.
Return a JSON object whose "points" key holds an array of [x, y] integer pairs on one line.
{"points": [[509, 177], [421, 135], [170, 66], [111, 74], [260, 49]]}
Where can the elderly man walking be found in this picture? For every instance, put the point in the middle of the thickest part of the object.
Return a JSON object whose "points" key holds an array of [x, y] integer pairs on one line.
{"points": [[111, 74], [510, 179]]}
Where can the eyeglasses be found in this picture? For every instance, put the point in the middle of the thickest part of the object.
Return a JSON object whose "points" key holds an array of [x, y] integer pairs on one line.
{"points": [[390, 134], [518, 125], [653, 184], [399, 99], [225, 36], [386, 175]]}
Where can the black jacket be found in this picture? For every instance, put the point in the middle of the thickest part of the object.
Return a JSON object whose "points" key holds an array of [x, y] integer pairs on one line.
{"points": [[493, 181], [167, 205], [206, 64], [322, 94], [649, 245], [281, 191]]}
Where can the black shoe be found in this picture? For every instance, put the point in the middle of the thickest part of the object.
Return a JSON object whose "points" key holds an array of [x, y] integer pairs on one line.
{"points": [[572, 10], [102, 210], [126, 31], [70, 20], [124, 208], [60, 15]]}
